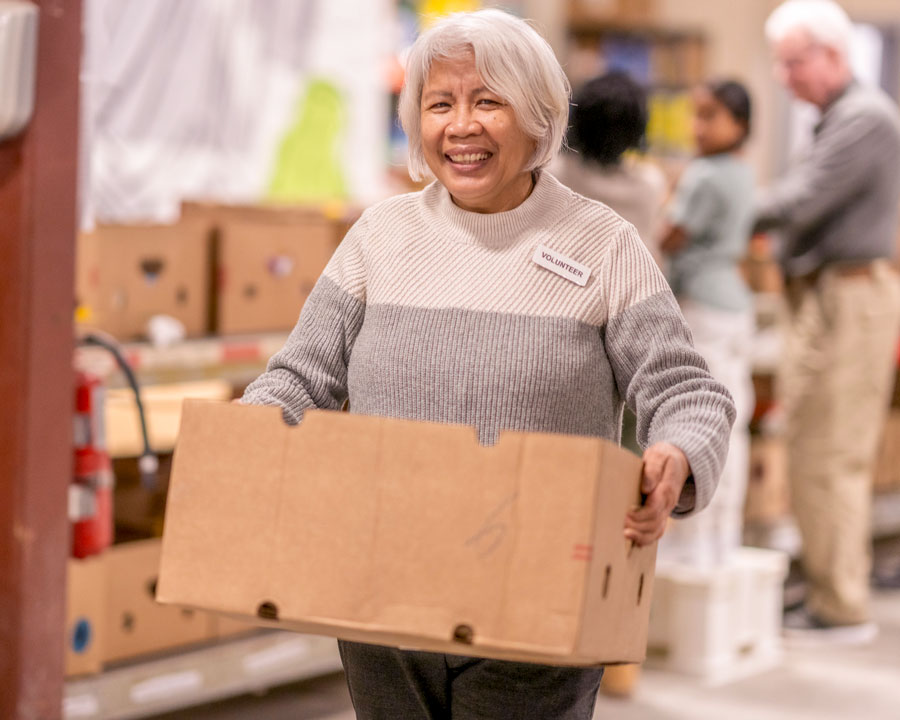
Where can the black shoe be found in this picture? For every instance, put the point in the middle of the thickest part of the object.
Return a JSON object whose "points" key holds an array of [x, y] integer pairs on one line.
{"points": [[887, 578], [803, 629]]}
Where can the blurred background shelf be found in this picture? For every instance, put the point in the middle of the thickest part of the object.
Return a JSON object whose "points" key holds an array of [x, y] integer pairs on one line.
{"points": [[236, 359], [249, 664]]}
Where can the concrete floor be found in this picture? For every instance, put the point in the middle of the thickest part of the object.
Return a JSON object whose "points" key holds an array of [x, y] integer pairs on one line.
{"points": [[823, 684]]}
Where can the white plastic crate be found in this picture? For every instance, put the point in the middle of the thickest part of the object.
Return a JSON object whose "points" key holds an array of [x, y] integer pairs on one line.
{"points": [[720, 623]]}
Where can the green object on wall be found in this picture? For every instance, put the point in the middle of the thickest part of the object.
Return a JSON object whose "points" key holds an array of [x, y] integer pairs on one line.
{"points": [[308, 167]]}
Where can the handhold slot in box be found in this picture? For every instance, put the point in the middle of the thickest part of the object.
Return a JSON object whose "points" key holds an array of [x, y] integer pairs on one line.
{"points": [[267, 611]]}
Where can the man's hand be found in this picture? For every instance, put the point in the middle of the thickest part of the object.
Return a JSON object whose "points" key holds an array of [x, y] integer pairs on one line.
{"points": [[665, 471]]}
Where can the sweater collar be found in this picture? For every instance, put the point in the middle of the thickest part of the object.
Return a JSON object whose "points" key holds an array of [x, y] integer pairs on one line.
{"points": [[501, 228], [838, 96]]}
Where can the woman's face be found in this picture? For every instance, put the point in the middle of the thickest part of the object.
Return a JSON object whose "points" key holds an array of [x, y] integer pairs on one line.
{"points": [[471, 139], [715, 128]]}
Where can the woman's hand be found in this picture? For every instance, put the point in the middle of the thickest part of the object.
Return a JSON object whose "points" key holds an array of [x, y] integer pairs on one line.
{"points": [[665, 471]]}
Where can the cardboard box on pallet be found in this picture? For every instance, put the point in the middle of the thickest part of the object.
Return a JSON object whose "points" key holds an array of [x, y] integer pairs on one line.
{"points": [[267, 260], [85, 615], [135, 623], [125, 274], [408, 533]]}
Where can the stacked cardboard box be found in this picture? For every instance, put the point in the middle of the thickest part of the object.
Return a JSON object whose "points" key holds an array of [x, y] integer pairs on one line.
{"points": [[125, 274], [112, 614], [266, 261], [135, 623], [85, 615], [222, 269]]}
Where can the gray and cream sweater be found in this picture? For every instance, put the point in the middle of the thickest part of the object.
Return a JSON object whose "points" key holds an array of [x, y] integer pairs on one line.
{"points": [[429, 312]]}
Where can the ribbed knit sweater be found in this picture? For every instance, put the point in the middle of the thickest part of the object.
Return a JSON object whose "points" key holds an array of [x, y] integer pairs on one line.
{"points": [[430, 312]]}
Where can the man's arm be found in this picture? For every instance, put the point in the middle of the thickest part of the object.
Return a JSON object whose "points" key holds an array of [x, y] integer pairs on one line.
{"points": [[837, 168]]}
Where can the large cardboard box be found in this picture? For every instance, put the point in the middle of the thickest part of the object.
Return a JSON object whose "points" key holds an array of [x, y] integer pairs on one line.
{"points": [[135, 623], [85, 615], [126, 274], [408, 533], [267, 258]]}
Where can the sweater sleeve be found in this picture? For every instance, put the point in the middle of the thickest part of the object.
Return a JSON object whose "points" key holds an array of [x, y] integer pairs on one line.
{"points": [[660, 375], [311, 369]]}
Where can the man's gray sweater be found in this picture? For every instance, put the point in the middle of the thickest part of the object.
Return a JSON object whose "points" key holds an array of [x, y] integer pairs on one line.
{"points": [[841, 204]]}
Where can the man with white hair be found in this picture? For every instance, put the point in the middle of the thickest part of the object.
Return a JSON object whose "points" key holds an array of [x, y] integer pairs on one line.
{"points": [[838, 213]]}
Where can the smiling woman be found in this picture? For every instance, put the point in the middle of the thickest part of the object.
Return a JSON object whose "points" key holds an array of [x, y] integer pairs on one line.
{"points": [[471, 139], [498, 298], [483, 62]]}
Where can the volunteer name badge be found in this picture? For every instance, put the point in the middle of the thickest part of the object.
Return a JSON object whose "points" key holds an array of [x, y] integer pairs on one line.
{"points": [[561, 265]]}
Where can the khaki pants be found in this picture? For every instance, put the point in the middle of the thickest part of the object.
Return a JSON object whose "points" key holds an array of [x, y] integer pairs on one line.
{"points": [[835, 387]]}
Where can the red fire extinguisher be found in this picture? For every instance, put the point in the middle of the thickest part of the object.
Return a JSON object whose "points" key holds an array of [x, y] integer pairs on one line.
{"points": [[90, 506], [91, 492]]}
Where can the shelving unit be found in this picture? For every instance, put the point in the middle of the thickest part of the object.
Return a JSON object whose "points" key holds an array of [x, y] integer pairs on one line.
{"points": [[667, 62], [237, 359], [235, 667]]}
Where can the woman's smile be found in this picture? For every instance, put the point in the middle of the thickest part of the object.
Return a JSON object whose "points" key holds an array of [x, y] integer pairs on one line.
{"points": [[471, 139]]}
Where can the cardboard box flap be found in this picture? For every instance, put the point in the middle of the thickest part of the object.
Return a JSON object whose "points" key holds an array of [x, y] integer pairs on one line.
{"points": [[221, 515], [404, 531]]}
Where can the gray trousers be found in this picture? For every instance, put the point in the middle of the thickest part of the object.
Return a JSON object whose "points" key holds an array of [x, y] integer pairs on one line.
{"points": [[390, 684]]}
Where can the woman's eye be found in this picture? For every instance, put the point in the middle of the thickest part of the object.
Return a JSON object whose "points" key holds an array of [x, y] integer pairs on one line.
{"points": [[487, 101], [440, 106]]}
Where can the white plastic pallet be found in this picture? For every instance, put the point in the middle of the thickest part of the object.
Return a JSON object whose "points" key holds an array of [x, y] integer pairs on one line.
{"points": [[719, 624]]}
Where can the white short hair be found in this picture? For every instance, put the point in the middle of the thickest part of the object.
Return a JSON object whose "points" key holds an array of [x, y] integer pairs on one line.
{"points": [[824, 21], [514, 62]]}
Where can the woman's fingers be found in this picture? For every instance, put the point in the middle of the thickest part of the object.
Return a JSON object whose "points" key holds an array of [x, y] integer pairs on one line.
{"points": [[645, 537], [665, 471], [654, 507]]}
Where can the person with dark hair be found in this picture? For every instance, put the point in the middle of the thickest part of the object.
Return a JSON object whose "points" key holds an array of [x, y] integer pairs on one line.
{"points": [[710, 222], [609, 117]]}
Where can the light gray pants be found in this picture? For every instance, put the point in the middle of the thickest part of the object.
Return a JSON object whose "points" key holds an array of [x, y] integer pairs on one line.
{"points": [[390, 684]]}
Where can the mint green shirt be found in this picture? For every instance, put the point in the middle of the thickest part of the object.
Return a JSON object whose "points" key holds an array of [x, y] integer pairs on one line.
{"points": [[714, 204]]}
